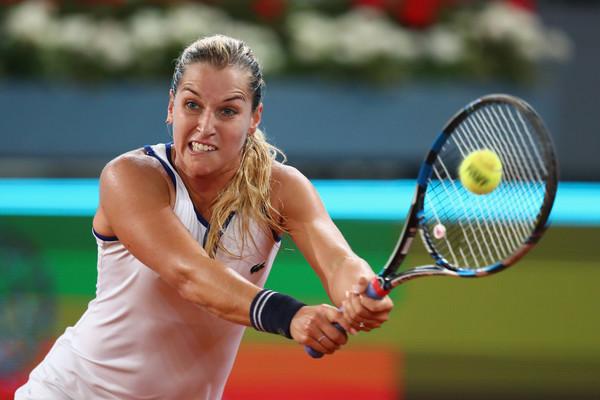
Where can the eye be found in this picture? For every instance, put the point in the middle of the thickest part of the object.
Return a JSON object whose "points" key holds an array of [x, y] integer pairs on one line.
{"points": [[228, 111], [191, 105]]}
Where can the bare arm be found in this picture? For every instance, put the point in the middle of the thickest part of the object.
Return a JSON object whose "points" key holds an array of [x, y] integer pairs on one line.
{"points": [[344, 275], [136, 206]]}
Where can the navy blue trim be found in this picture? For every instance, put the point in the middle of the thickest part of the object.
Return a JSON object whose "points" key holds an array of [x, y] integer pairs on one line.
{"points": [[202, 220], [168, 148], [169, 156], [227, 221], [205, 237], [151, 152], [225, 225], [105, 238], [207, 225], [277, 238]]}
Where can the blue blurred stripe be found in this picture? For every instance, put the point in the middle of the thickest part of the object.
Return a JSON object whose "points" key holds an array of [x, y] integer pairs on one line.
{"points": [[577, 203], [62, 197]]}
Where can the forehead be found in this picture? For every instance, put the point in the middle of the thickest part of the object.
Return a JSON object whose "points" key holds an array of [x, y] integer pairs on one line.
{"points": [[209, 77]]}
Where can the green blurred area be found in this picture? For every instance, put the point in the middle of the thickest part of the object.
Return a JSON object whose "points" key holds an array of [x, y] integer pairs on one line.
{"points": [[530, 332]]}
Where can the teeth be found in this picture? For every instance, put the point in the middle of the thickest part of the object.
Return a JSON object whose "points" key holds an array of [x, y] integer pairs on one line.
{"points": [[201, 147]]}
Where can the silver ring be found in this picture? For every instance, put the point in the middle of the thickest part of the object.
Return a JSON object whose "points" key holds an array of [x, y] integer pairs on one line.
{"points": [[321, 338], [362, 325]]}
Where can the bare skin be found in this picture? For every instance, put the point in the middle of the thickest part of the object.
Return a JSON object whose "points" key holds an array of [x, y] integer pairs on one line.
{"points": [[212, 115]]}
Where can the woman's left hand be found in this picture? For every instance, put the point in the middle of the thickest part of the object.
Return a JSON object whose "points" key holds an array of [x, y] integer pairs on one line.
{"points": [[362, 312]]}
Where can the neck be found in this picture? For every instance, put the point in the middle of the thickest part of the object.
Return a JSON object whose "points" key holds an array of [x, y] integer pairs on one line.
{"points": [[204, 190]]}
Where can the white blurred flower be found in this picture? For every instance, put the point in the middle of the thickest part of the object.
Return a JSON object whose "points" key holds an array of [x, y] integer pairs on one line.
{"points": [[313, 36], [367, 34], [112, 45], [74, 33], [265, 44], [29, 21], [148, 30], [360, 38], [189, 21], [444, 45], [501, 21], [355, 38]]}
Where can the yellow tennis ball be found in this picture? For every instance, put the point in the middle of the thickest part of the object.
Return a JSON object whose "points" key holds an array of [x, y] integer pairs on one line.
{"points": [[481, 171]]}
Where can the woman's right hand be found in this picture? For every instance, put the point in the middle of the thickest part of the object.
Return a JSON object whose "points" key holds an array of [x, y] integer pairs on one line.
{"points": [[312, 326]]}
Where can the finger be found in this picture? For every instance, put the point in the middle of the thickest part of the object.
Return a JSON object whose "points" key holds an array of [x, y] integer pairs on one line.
{"points": [[350, 315], [360, 317], [322, 345], [355, 309], [368, 308], [376, 306], [328, 345], [361, 285], [336, 333], [351, 309], [336, 316]]}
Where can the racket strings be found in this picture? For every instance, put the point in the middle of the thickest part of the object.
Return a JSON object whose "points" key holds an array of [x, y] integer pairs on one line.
{"points": [[519, 163], [482, 229]]}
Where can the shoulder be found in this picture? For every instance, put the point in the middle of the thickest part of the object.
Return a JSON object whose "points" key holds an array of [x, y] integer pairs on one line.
{"points": [[134, 170], [294, 191], [287, 174], [287, 178], [131, 182], [133, 163]]}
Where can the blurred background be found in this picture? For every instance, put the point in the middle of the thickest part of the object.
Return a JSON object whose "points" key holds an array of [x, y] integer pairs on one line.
{"points": [[356, 91]]}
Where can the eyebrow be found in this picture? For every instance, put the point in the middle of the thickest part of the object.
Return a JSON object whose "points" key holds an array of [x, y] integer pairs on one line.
{"points": [[190, 90], [237, 96]]}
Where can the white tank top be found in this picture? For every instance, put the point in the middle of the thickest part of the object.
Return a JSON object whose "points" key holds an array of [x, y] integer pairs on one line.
{"points": [[138, 338]]}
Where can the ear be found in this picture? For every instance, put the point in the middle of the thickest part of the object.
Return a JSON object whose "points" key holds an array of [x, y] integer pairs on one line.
{"points": [[255, 120], [170, 108]]}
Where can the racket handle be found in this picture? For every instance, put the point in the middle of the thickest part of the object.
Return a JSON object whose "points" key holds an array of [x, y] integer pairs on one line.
{"points": [[373, 291], [317, 354]]}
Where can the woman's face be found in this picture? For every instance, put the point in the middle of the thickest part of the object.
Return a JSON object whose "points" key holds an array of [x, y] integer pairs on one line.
{"points": [[212, 115]]}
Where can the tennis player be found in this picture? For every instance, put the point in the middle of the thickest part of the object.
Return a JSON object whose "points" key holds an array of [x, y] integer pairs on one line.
{"points": [[187, 233]]}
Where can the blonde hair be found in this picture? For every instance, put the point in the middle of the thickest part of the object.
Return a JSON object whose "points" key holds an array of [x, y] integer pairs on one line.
{"points": [[248, 193]]}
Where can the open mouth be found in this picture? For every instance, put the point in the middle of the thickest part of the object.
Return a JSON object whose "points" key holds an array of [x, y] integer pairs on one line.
{"points": [[199, 147]]}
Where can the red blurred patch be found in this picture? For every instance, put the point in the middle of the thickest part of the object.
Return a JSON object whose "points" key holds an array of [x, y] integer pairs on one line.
{"points": [[9, 384], [266, 371], [269, 9]]}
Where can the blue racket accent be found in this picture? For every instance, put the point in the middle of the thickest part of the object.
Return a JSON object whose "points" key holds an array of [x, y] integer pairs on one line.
{"points": [[424, 175], [471, 106], [496, 267], [439, 141]]}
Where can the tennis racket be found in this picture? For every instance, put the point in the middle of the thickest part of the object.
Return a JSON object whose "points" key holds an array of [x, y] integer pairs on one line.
{"points": [[469, 235]]}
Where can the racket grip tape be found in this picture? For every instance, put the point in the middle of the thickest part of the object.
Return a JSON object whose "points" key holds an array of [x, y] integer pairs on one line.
{"points": [[373, 291]]}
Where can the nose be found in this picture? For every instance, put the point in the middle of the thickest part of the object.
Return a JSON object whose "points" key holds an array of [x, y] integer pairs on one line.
{"points": [[206, 123]]}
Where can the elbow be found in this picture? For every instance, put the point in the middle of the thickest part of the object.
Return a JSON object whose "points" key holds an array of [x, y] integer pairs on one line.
{"points": [[188, 285]]}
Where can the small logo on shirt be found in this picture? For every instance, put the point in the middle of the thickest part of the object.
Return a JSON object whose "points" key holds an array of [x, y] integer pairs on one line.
{"points": [[257, 267]]}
